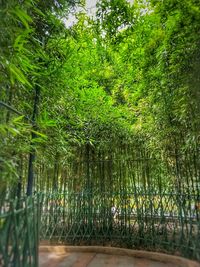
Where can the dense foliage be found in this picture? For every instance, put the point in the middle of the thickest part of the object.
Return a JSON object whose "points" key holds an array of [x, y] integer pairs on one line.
{"points": [[129, 77]]}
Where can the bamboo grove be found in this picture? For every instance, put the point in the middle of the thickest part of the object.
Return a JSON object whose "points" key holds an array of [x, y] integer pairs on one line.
{"points": [[121, 86], [99, 126]]}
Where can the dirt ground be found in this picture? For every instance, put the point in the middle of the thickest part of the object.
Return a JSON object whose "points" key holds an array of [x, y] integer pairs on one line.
{"points": [[91, 259]]}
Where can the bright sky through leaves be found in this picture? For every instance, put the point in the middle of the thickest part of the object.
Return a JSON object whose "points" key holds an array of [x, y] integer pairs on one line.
{"points": [[90, 7]]}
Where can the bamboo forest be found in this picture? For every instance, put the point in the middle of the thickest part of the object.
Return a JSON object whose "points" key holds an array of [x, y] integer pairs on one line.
{"points": [[99, 127]]}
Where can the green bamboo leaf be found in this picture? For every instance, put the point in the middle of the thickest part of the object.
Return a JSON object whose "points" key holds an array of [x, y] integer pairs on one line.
{"points": [[17, 73], [3, 128], [23, 16], [21, 40], [39, 12], [13, 130], [39, 140], [18, 119], [39, 134]]}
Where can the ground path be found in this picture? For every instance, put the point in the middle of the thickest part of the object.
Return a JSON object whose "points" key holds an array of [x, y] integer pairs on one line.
{"points": [[86, 259], [59, 257]]}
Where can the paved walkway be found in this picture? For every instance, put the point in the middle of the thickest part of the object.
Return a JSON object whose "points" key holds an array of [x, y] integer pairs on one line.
{"points": [[91, 259]]}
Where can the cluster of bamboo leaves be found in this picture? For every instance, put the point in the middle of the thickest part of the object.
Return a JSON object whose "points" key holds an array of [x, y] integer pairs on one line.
{"points": [[128, 76]]}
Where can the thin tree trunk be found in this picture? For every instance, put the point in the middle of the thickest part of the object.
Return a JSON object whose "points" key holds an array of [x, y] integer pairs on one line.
{"points": [[32, 154]]}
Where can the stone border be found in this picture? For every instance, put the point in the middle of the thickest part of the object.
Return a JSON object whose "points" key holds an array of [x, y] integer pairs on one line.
{"points": [[161, 257]]}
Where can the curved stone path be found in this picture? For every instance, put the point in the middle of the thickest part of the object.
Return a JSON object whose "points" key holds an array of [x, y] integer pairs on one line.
{"points": [[69, 258]]}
